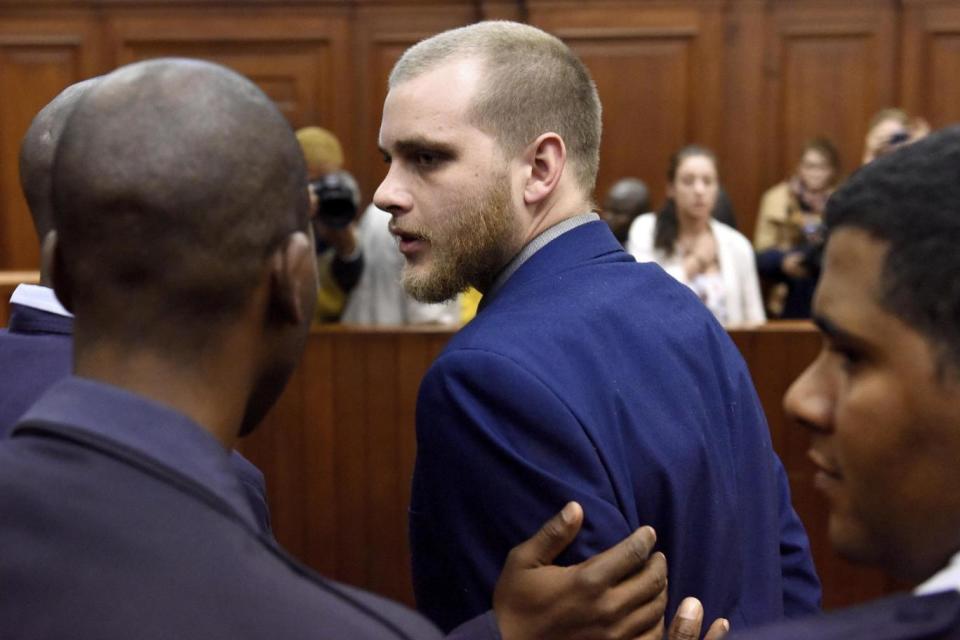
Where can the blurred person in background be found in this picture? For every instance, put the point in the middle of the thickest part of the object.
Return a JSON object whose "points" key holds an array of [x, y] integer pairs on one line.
{"points": [[789, 232], [339, 253], [891, 128], [625, 200], [710, 257]]}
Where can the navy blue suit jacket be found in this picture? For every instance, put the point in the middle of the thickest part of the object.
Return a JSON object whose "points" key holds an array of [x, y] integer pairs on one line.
{"points": [[36, 350], [102, 538], [899, 617], [590, 377], [99, 540]]}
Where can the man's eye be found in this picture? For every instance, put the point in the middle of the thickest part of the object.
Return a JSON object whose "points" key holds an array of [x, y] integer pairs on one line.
{"points": [[426, 159], [387, 159]]}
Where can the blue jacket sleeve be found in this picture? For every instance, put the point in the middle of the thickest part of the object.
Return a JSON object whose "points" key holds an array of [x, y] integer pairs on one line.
{"points": [[498, 453], [801, 586]]}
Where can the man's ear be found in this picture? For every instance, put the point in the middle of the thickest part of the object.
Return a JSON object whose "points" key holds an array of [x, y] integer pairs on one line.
{"points": [[52, 272], [546, 158], [293, 278]]}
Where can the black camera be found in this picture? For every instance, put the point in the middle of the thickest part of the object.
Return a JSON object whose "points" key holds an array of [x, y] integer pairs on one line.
{"points": [[338, 199]]}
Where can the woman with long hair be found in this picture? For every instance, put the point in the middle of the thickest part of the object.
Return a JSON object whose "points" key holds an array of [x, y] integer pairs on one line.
{"points": [[711, 258], [789, 233]]}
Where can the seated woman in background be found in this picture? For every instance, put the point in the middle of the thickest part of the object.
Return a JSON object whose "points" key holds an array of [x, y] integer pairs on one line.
{"points": [[789, 233], [708, 256]]}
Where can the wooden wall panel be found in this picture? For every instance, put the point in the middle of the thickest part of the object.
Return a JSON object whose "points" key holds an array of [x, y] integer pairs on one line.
{"points": [[931, 61], [38, 57], [657, 73], [742, 147], [831, 66], [296, 59], [338, 452]]}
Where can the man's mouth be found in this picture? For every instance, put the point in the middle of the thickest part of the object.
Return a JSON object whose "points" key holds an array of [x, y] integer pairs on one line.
{"points": [[407, 242], [828, 472]]}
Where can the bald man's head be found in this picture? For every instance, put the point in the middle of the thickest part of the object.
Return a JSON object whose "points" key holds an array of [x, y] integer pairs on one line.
{"points": [[626, 199], [37, 152], [173, 182]]}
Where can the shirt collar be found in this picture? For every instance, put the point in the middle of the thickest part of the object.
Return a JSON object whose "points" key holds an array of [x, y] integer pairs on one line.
{"points": [[535, 245], [38, 297], [946, 579], [150, 429]]}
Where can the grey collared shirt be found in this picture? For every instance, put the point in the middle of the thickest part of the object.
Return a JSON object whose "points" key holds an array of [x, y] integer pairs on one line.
{"points": [[535, 245]]}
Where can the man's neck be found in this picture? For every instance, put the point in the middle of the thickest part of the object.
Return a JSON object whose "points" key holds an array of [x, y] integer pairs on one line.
{"points": [[210, 390]]}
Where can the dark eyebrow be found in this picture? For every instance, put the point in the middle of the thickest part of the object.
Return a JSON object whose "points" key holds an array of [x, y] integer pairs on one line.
{"points": [[834, 332], [418, 144]]}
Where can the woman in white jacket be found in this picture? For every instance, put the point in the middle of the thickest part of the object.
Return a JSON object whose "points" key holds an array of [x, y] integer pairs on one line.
{"points": [[714, 260]]}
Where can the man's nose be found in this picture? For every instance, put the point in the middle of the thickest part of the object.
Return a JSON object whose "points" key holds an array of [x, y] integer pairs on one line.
{"points": [[391, 195], [808, 402]]}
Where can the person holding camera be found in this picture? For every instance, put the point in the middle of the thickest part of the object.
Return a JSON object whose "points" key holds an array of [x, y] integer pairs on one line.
{"points": [[334, 201], [789, 232]]}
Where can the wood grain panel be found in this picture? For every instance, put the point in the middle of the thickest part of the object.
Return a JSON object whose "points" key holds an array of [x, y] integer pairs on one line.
{"points": [[38, 59], [831, 66], [657, 71], [931, 61], [338, 453], [297, 58]]}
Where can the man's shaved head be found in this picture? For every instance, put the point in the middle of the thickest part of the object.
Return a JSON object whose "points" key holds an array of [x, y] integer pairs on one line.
{"points": [[173, 182], [37, 153]]}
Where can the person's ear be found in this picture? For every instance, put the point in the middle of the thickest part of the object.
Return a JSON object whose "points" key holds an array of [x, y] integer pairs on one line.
{"points": [[546, 158], [52, 271], [671, 192], [293, 279]]}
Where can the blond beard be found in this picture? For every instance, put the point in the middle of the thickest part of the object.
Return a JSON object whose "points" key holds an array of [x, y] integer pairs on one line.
{"points": [[469, 249]]}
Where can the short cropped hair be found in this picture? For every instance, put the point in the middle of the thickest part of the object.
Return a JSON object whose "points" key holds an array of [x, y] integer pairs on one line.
{"points": [[173, 182], [533, 83], [910, 199]]}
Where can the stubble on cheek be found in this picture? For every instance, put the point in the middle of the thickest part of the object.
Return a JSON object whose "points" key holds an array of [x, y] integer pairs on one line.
{"points": [[469, 249]]}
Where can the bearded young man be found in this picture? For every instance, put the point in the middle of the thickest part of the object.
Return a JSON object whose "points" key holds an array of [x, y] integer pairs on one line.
{"points": [[585, 375]]}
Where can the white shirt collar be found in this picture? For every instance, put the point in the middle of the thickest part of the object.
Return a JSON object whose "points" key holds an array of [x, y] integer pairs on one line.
{"points": [[944, 580], [37, 297]]}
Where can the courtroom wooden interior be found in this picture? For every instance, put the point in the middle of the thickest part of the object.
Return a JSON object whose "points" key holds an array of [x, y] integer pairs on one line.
{"points": [[751, 78]]}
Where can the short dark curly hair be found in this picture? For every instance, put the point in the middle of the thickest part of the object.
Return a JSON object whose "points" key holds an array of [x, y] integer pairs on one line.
{"points": [[910, 199]]}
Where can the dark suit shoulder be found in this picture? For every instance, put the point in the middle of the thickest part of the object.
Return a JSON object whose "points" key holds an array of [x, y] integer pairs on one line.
{"points": [[85, 530], [898, 617]]}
